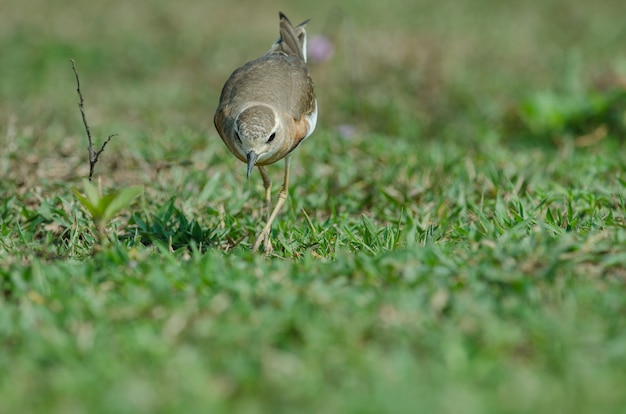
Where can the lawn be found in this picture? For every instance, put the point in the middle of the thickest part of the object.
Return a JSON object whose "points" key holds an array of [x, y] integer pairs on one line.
{"points": [[454, 239]]}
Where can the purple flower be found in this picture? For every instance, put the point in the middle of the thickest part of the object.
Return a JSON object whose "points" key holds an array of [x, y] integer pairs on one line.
{"points": [[346, 131], [321, 49]]}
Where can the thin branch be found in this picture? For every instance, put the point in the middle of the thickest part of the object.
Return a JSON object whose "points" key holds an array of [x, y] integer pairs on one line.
{"points": [[93, 155], [101, 150]]}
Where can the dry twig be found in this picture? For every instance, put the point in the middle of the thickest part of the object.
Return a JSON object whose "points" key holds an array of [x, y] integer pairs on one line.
{"points": [[93, 154]]}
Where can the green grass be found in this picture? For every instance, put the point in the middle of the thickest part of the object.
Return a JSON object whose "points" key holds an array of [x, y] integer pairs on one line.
{"points": [[463, 251]]}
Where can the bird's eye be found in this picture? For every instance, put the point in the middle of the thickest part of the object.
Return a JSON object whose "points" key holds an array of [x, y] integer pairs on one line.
{"points": [[237, 136], [271, 138]]}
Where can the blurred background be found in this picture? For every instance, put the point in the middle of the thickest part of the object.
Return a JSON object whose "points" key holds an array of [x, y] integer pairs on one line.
{"points": [[522, 72]]}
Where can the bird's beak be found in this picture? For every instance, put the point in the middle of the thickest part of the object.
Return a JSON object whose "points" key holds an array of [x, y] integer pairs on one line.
{"points": [[252, 157]]}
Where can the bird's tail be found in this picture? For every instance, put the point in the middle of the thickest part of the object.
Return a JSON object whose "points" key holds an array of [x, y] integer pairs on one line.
{"points": [[292, 40]]}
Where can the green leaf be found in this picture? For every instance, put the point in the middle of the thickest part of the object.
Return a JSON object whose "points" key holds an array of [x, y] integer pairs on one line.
{"points": [[87, 204], [120, 200], [92, 192], [103, 208]]}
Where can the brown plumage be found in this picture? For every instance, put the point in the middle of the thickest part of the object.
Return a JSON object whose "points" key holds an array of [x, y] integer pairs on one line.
{"points": [[267, 108]]}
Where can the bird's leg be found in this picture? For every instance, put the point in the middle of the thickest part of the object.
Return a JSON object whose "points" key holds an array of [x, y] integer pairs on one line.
{"points": [[282, 197], [267, 184]]}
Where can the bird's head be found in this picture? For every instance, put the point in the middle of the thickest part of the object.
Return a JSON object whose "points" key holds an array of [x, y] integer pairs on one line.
{"points": [[258, 135]]}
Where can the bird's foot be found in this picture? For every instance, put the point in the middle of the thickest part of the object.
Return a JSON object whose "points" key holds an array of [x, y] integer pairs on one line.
{"points": [[264, 238]]}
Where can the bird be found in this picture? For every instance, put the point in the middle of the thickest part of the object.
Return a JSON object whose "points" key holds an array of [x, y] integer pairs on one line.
{"points": [[267, 108]]}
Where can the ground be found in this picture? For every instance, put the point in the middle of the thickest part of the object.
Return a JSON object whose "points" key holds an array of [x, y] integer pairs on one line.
{"points": [[454, 238]]}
